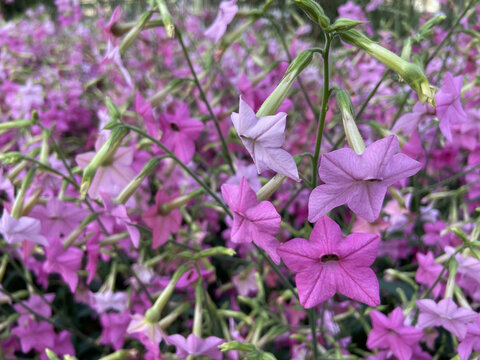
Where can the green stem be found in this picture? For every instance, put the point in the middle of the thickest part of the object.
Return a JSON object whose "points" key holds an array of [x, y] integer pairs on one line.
{"points": [[312, 318], [207, 104], [323, 114], [182, 165]]}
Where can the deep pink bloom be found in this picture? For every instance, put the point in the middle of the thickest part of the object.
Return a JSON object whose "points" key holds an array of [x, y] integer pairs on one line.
{"points": [[360, 181], [252, 220], [428, 272], [447, 314], [161, 224], [391, 333], [226, 13], [449, 106], [328, 263], [107, 29], [35, 335], [114, 329], [20, 230], [471, 340], [263, 138], [180, 132], [193, 345], [65, 262]]}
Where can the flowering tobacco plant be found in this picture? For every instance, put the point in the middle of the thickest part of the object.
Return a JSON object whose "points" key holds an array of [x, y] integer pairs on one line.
{"points": [[238, 182]]}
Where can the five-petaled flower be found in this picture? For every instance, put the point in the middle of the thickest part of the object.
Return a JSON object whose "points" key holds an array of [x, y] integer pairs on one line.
{"points": [[252, 220], [328, 263], [360, 181], [263, 137]]}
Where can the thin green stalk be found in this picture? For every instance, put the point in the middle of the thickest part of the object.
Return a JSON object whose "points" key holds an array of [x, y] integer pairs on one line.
{"points": [[312, 318], [182, 165], [207, 104], [323, 114]]}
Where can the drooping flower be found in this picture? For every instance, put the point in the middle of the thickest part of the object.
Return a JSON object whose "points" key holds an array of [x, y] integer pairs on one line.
{"points": [[471, 340], [447, 314], [360, 181], [449, 106], [263, 137], [226, 13], [196, 346], [252, 220], [328, 263], [162, 224], [391, 333], [20, 230]]}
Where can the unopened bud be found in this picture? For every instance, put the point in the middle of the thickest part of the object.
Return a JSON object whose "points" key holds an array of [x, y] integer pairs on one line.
{"points": [[314, 11], [130, 189], [344, 24], [270, 187], [354, 138], [276, 98], [409, 72], [128, 40], [167, 18]]}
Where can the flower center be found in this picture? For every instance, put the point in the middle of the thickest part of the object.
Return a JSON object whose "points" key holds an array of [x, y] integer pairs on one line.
{"points": [[329, 257], [373, 179], [174, 127]]}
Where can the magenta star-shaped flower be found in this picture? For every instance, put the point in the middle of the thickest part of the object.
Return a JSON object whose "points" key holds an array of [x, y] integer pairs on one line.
{"points": [[391, 333], [449, 106], [252, 220], [471, 340], [360, 181], [196, 346], [447, 314], [328, 263], [180, 132], [162, 225], [263, 137]]}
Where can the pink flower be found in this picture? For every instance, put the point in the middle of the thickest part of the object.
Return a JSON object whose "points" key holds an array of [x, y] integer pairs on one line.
{"points": [[390, 333], [471, 340], [107, 29], [161, 224], [263, 138], [114, 328], [360, 181], [20, 230], [180, 132], [112, 176], [193, 345], [428, 272], [138, 324], [65, 262], [226, 13], [408, 123], [35, 335], [447, 314], [449, 106], [252, 220], [329, 263]]}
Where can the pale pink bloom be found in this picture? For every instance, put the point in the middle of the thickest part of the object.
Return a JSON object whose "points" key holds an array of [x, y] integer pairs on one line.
{"points": [[360, 181], [139, 324], [263, 137], [391, 333], [196, 346], [252, 220], [20, 230], [328, 263], [111, 177], [226, 13], [112, 55], [428, 272], [119, 214], [408, 123], [449, 106], [103, 301], [447, 314]]}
